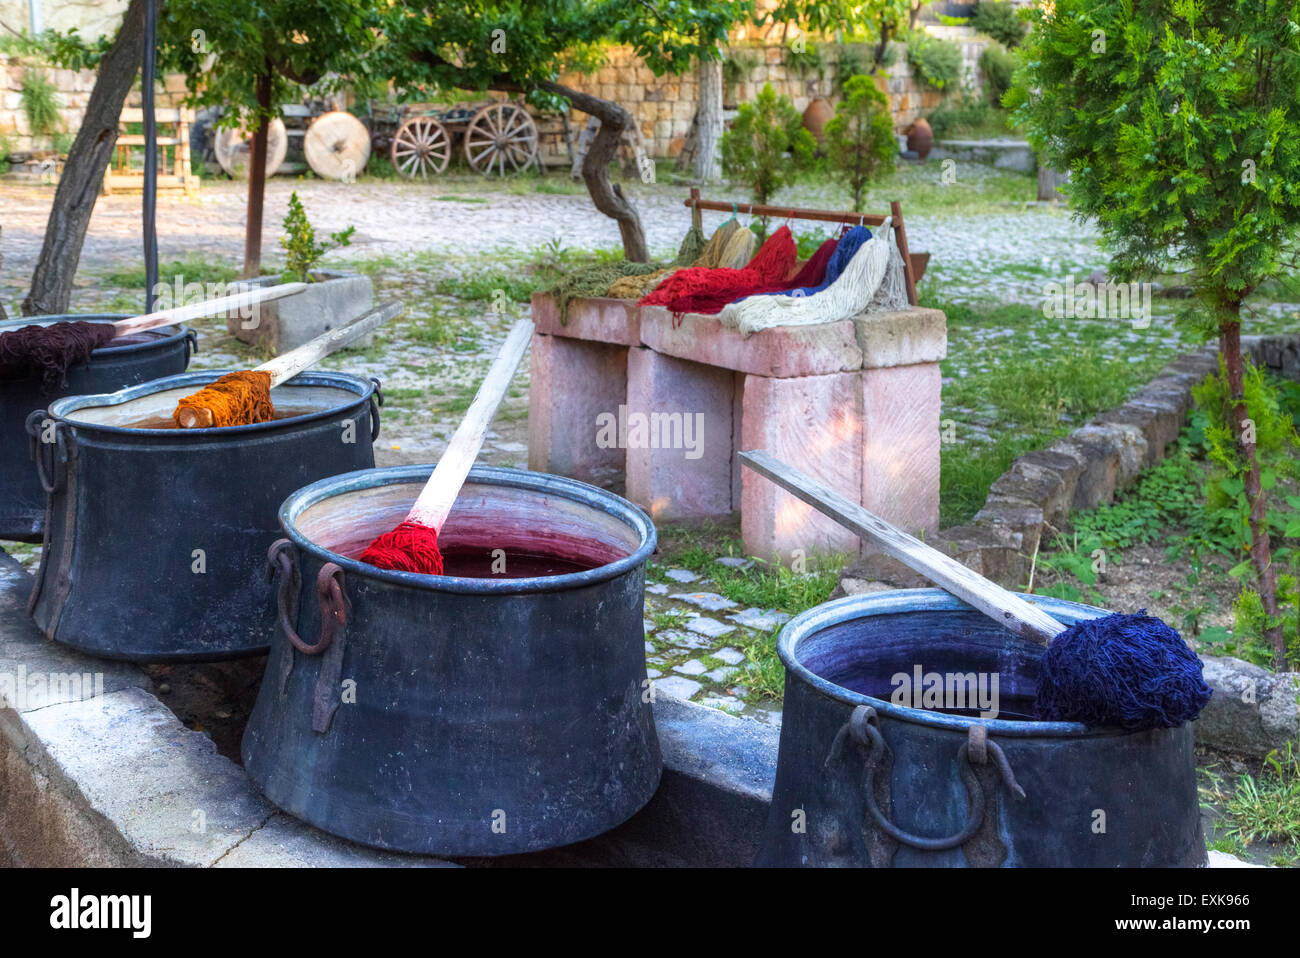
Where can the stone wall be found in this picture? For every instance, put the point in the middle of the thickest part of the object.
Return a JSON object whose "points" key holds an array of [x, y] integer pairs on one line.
{"points": [[664, 106], [71, 91]]}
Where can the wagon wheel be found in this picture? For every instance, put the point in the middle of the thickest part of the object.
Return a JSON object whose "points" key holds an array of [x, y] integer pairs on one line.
{"points": [[337, 146], [420, 146], [501, 136], [234, 147]]}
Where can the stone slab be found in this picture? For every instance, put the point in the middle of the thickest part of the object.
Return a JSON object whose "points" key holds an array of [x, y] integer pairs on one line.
{"points": [[782, 352], [902, 338], [596, 319], [900, 445]]}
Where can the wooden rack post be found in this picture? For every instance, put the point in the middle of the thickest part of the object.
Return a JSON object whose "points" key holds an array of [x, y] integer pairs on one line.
{"points": [[913, 264]]}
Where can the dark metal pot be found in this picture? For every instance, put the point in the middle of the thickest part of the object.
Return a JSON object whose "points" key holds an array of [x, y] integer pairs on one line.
{"points": [[864, 781], [130, 360], [157, 537], [458, 716]]}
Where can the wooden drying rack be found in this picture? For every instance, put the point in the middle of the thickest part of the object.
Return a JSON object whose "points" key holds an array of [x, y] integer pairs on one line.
{"points": [[913, 263]]}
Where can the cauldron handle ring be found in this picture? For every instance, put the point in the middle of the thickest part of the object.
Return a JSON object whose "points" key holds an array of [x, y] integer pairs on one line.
{"points": [[376, 401], [281, 557], [35, 420], [862, 729], [191, 345]]}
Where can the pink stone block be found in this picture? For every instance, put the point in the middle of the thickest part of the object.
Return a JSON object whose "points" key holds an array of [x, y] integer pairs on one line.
{"points": [[814, 424], [601, 320], [900, 445], [572, 384], [782, 352], [686, 410]]}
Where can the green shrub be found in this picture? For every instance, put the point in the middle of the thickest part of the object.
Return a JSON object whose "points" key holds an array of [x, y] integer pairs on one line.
{"points": [[937, 61], [302, 252], [997, 65], [1000, 21], [859, 138], [738, 65], [963, 116], [37, 98], [767, 146]]}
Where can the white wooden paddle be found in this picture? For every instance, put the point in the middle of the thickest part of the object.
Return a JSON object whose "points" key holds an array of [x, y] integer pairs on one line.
{"points": [[1007, 609], [209, 307], [439, 493], [283, 368]]}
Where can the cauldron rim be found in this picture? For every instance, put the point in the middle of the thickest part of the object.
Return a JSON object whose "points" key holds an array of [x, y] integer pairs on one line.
{"points": [[361, 388], [572, 489], [179, 330], [837, 611]]}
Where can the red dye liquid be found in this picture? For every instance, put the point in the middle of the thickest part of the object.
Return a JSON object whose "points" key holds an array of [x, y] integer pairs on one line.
{"points": [[478, 564]]}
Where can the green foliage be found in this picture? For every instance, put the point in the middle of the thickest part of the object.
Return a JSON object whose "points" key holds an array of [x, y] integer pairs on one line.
{"points": [[1000, 21], [302, 252], [1275, 434], [997, 66], [767, 146], [804, 57], [739, 64], [937, 61], [66, 50], [1176, 124], [966, 116], [36, 94], [1268, 809], [859, 138]]}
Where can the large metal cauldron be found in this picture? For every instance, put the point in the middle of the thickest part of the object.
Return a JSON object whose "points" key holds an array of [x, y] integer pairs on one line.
{"points": [[129, 360], [157, 537], [862, 781], [449, 715]]}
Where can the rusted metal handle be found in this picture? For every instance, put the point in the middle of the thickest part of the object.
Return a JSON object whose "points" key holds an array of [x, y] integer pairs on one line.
{"points": [[376, 401], [333, 604], [35, 421], [861, 728]]}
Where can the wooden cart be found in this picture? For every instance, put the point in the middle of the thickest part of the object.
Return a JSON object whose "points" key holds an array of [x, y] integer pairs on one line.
{"points": [[496, 138]]}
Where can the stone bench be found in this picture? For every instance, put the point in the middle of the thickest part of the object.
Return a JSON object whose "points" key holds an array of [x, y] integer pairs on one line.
{"points": [[622, 390]]}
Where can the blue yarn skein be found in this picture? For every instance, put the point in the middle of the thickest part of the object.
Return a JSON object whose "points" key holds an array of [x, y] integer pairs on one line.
{"points": [[1126, 670], [849, 244]]}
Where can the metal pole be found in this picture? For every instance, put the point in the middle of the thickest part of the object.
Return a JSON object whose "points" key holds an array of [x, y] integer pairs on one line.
{"points": [[150, 155]]}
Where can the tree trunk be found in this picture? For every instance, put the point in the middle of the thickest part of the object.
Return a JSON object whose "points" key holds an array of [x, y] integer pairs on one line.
{"points": [[607, 197], [883, 45], [83, 174], [257, 180], [1261, 550], [708, 122]]}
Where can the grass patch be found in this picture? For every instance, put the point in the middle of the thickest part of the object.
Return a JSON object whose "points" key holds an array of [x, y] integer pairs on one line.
{"points": [[490, 285], [190, 269]]}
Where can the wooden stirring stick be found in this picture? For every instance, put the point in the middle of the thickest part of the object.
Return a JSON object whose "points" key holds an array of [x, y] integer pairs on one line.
{"points": [[209, 307]]}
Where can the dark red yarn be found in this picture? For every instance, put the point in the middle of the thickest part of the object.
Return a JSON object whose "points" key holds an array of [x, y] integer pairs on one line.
{"points": [[701, 290], [51, 350], [411, 547]]}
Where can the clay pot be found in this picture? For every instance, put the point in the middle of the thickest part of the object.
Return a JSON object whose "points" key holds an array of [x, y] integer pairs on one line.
{"points": [[920, 138], [816, 115]]}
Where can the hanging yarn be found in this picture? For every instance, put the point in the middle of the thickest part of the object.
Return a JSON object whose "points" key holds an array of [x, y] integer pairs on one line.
{"points": [[411, 547], [710, 257], [236, 399], [1131, 671], [847, 245], [51, 350], [852, 292], [708, 290], [738, 249]]}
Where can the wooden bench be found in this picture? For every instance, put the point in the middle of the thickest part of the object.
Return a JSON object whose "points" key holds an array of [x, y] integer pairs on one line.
{"points": [[174, 173], [853, 403]]}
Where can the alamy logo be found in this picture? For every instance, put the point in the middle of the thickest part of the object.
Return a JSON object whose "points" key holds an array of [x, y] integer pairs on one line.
{"points": [[658, 430], [23, 690], [73, 911], [946, 690], [1087, 300]]}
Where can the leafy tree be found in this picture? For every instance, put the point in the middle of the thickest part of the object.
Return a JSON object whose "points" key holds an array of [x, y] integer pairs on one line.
{"points": [[938, 61], [859, 138], [250, 57], [999, 20], [1176, 122], [521, 46], [767, 146], [998, 67]]}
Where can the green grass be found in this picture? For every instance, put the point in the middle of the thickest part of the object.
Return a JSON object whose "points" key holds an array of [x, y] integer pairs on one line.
{"points": [[190, 269]]}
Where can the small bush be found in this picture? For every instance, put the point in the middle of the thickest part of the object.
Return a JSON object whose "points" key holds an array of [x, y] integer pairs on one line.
{"points": [[302, 252], [961, 116], [859, 138], [1000, 21], [937, 61], [997, 66], [37, 98], [767, 146]]}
